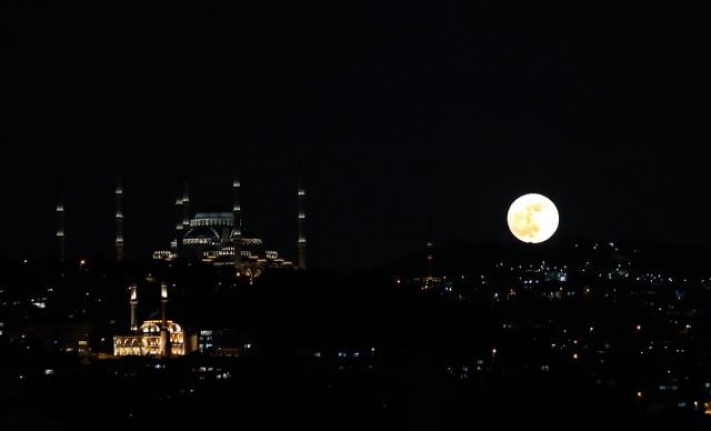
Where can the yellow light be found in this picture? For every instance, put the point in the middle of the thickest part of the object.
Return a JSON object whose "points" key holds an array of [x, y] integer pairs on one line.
{"points": [[533, 218]]}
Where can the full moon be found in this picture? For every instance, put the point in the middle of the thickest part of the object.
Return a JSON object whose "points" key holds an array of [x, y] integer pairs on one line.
{"points": [[533, 218]]}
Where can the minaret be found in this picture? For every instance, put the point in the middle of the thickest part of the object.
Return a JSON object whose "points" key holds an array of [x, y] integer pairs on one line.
{"points": [[119, 219], [61, 238], [301, 220], [237, 224], [164, 330], [179, 226], [430, 252], [186, 206], [134, 307]]}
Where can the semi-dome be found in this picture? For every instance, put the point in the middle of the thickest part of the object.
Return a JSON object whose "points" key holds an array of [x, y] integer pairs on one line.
{"points": [[202, 235]]}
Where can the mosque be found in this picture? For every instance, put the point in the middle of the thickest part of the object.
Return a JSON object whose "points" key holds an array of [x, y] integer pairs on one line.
{"points": [[155, 338], [215, 238], [219, 239]]}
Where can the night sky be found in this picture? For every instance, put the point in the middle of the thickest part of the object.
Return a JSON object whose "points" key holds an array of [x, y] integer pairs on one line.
{"points": [[396, 110]]}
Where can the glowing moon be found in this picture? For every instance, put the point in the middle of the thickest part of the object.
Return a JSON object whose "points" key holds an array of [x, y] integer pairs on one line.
{"points": [[533, 218]]}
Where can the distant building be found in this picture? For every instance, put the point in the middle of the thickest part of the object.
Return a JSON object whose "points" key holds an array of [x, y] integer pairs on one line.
{"points": [[67, 337], [224, 342]]}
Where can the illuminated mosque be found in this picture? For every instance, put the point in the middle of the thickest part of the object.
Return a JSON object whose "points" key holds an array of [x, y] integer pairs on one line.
{"points": [[212, 237], [218, 238], [156, 338]]}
